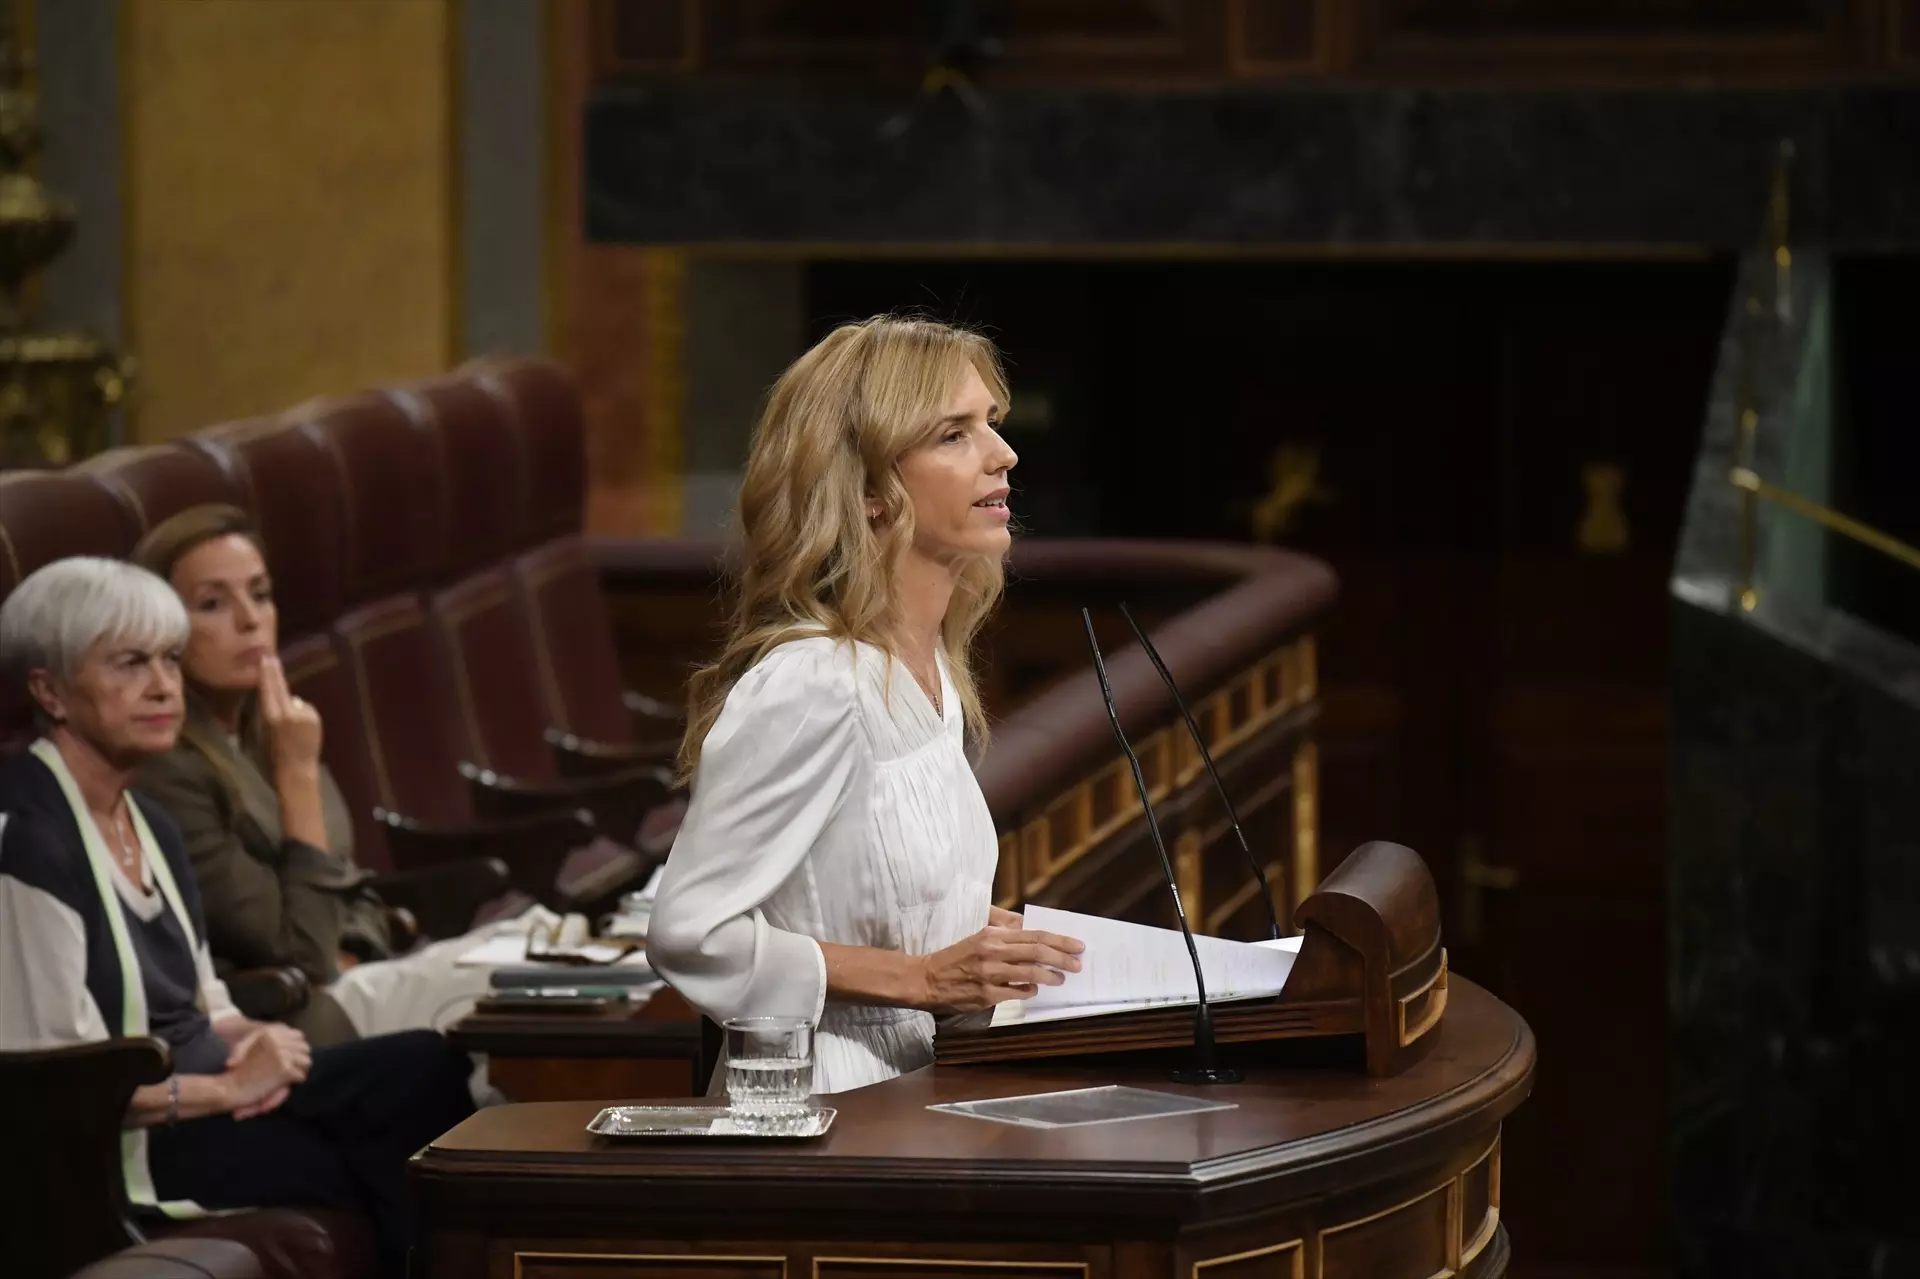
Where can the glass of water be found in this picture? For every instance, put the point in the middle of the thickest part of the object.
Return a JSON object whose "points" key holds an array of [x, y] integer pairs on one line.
{"points": [[769, 1066]]}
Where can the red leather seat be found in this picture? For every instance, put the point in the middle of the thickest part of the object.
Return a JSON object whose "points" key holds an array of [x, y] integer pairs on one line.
{"points": [[157, 481], [47, 516], [557, 581], [422, 717]]}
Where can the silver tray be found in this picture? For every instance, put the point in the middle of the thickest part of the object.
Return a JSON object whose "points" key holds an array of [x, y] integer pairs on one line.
{"points": [[709, 1121]]}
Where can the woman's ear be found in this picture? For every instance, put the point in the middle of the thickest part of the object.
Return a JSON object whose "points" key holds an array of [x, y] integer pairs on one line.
{"points": [[46, 692]]}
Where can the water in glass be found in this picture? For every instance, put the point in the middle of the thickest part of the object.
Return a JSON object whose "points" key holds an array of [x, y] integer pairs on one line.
{"points": [[769, 1065]]}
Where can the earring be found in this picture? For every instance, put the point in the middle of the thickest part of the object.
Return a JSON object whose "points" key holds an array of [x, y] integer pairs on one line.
{"points": [[873, 512]]}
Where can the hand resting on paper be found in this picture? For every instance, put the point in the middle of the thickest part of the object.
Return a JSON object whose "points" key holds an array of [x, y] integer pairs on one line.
{"points": [[1000, 962]]}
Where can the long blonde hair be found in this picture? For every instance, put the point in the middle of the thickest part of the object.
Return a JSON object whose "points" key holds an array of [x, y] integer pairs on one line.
{"points": [[829, 442]]}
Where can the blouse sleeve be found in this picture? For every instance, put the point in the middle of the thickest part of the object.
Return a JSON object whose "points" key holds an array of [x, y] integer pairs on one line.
{"points": [[775, 769], [44, 1001]]}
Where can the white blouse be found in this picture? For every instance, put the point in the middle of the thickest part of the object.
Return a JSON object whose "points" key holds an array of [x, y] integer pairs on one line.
{"points": [[831, 804]]}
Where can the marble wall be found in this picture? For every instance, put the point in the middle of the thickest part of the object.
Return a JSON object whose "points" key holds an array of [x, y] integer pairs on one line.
{"points": [[705, 164], [1794, 915]]}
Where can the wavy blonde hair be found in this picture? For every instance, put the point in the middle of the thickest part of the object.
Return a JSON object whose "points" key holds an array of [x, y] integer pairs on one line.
{"points": [[830, 441]]}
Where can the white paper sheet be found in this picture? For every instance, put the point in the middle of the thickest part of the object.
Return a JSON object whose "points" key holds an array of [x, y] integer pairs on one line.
{"points": [[497, 951], [1129, 966]]}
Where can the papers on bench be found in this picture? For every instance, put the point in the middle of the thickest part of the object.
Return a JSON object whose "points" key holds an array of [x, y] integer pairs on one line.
{"points": [[512, 949], [1126, 967]]}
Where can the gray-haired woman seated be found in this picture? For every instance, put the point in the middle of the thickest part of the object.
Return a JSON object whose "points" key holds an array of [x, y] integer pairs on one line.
{"points": [[102, 936]]}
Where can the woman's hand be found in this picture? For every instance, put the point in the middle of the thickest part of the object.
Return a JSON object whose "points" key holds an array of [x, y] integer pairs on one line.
{"points": [[997, 918], [994, 965], [293, 725], [264, 1066], [293, 734]]}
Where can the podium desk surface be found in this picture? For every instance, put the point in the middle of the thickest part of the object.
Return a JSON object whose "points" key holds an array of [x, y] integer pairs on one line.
{"points": [[1294, 1134]]}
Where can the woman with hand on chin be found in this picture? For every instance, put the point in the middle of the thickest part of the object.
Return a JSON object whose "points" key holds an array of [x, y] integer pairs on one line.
{"points": [[102, 937], [267, 829], [837, 858]]}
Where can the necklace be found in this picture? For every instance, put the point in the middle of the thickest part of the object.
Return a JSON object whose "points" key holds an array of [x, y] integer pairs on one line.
{"points": [[125, 851], [931, 690]]}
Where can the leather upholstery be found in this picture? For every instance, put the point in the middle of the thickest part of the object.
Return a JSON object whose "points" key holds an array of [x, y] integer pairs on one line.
{"points": [[542, 403], [271, 1243], [558, 587], [413, 731], [309, 1243], [179, 1259], [556, 581], [156, 481], [393, 488], [298, 506], [484, 465], [47, 516]]}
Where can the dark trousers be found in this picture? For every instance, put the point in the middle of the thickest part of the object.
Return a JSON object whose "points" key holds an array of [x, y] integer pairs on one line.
{"points": [[341, 1139]]}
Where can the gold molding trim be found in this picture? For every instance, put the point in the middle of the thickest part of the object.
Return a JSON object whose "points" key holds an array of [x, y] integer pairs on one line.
{"points": [[1100, 805], [1306, 821], [1085, 1268], [1430, 1016], [1277, 251], [1297, 1246], [1471, 1248], [1188, 874], [519, 1258]]}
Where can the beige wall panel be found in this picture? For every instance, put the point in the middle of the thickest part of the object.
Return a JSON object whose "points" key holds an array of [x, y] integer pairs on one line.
{"points": [[290, 180]]}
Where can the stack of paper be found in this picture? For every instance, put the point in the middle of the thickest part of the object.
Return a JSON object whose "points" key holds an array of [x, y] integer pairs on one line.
{"points": [[1131, 966]]}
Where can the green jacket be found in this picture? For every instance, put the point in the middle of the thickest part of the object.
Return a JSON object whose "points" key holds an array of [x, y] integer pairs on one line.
{"points": [[269, 900]]}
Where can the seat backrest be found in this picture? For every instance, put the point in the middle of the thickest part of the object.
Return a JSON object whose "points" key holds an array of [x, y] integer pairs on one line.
{"points": [[395, 540], [292, 487], [62, 1108], [555, 580], [480, 629], [154, 482], [47, 516], [293, 491]]}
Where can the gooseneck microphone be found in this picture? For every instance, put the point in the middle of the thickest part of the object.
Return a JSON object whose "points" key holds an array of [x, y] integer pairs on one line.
{"points": [[1206, 756], [1204, 1070]]}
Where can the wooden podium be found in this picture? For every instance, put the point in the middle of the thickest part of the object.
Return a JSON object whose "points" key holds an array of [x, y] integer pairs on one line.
{"points": [[1316, 1172], [1369, 988]]}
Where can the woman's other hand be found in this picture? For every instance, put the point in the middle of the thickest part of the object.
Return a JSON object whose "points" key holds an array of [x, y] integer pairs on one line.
{"points": [[264, 1066], [994, 965]]}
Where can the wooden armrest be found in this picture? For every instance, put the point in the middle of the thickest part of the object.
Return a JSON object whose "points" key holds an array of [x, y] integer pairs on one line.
{"points": [[618, 802], [66, 1106], [651, 715], [531, 847], [443, 898], [583, 758], [270, 994]]}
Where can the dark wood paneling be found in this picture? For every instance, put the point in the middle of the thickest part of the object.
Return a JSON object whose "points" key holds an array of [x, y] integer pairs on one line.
{"points": [[1268, 37], [617, 1266], [1149, 42], [1609, 40]]}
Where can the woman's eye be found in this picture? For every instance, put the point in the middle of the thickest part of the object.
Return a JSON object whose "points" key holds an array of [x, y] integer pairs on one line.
{"points": [[953, 437], [209, 606]]}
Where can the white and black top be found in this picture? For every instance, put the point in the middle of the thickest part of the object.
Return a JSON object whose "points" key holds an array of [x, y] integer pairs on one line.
{"points": [[88, 955]]}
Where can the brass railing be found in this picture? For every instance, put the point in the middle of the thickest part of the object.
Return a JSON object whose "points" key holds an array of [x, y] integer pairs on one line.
{"points": [[1743, 476]]}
